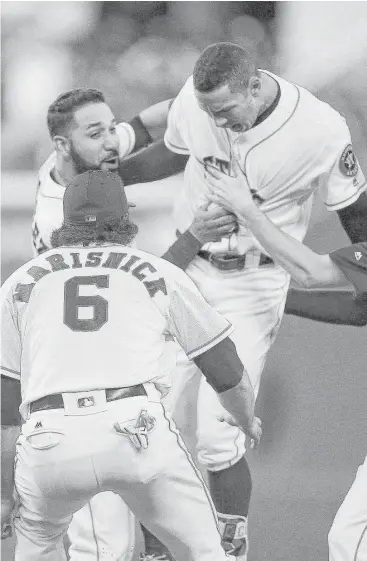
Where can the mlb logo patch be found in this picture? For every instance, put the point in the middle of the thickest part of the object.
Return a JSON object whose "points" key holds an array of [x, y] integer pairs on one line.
{"points": [[90, 218], [86, 402], [358, 255]]}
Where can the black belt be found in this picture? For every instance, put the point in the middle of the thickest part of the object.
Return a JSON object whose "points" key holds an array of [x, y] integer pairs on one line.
{"points": [[232, 262], [55, 401]]}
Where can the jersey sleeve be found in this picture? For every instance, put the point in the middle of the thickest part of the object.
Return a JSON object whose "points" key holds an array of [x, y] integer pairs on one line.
{"points": [[10, 337], [126, 135], [192, 321], [352, 261], [39, 244], [344, 181], [173, 136]]}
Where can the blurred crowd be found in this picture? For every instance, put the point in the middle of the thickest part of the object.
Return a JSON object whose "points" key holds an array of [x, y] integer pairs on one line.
{"points": [[139, 53]]}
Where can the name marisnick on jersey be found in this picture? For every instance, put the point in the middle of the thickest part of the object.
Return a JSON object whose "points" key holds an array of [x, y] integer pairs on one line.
{"points": [[133, 264]]}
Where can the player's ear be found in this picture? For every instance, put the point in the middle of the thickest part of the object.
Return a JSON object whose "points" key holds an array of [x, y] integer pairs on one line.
{"points": [[254, 86], [61, 144]]}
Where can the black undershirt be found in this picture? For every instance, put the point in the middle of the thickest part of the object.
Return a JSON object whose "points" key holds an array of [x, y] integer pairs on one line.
{"points": [[269, 109]]}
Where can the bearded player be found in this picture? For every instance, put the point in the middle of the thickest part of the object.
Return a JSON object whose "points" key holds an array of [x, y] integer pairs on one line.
{"points": [[85, 136]]}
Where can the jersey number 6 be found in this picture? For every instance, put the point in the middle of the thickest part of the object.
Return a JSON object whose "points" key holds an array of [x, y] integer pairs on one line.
{"points": [[73, 302]]}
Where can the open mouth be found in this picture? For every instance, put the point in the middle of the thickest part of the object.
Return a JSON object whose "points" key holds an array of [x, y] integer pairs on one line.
{"points": [[110, 163], [237, 127]]}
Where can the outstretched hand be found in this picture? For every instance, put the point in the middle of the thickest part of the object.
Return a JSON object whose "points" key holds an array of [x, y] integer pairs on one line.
{"points": [[230, 191], [254, 431], [7, 508]]}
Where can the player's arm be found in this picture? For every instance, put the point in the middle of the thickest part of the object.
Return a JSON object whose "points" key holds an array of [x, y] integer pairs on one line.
{"points": [[308, 268], [354, 219], [204, 336], [152, 163], [208, 225], [343, 187], [154, 118], [10, 400], [225, 372], [149, 125], [162, 158], [10, 429], [329, 306]]}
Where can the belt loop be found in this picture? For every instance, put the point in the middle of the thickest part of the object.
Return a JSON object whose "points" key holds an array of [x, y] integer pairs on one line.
{"points": [[152, 393], [252, 259]]}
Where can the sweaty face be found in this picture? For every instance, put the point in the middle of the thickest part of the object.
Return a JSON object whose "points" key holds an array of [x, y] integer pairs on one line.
{"points": [[94, 143], [235, 111]]}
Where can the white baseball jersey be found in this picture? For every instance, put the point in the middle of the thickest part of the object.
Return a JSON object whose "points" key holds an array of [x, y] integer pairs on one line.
{"points": [[48, 213], [303, 145], [78, 319]]}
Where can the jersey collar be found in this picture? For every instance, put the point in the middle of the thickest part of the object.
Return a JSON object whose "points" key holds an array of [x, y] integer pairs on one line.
{"points": [[281, 110]]}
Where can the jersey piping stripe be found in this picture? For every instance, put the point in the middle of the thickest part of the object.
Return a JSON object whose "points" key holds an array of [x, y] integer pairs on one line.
{"points": [[10, 370], [93, 530], [348, 199], [236, 457], [355, 558], [272, 134], [12, 376], [182, 445], [51, 196], [175, 148], [211, 343]]}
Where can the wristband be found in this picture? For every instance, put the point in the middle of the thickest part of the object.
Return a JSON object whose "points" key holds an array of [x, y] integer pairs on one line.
{"points": [[142, 135]]}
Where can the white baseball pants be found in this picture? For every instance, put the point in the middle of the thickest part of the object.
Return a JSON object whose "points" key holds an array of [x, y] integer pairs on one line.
{"points": [[64, 459], [253, 301]]}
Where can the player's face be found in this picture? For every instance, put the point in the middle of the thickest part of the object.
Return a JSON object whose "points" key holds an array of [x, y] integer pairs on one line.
{"points": [[236, 111], [94, 143]]}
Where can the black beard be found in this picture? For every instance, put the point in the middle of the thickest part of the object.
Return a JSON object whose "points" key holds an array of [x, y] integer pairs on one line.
{"points": [[79, 162]]}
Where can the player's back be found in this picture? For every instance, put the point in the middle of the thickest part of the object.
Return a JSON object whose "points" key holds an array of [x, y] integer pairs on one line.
{"points": [[89, 318]]}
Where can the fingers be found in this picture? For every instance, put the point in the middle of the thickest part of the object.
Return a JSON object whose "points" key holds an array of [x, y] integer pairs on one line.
{"points": [[211, 172], [215, 212], [6, 531], [205, 206], [227, 418]]}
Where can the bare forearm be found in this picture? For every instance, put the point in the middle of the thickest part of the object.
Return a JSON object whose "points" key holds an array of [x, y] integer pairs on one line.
{"points": [[9, 436], [240, 402], [225, 373], [155, 118], [303, 264], [328, 306]]}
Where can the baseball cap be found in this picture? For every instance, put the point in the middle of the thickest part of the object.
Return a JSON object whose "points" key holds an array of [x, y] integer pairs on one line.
{"points": [[94, 197]]}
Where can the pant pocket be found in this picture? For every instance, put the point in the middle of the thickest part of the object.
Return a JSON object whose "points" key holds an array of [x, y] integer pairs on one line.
{"points": [[46, 439]]}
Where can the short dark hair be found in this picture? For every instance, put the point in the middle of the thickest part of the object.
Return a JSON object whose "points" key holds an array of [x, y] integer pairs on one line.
{"points": [[61, 111], [223, 63], [116, 231]]}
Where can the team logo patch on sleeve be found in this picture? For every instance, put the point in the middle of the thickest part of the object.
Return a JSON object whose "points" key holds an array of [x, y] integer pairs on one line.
{"points": [[348, 162]]}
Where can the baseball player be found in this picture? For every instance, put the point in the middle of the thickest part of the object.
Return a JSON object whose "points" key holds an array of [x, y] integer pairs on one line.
{"points": [[85, 136], [287, 144], [83, 330], [347, 266]]}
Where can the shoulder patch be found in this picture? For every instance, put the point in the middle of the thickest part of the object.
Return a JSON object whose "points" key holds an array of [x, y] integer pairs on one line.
{"points": [[348, 164]]}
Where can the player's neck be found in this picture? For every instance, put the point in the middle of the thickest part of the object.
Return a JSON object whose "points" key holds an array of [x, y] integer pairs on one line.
{"points": [[63, 172], [270, 97]]}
